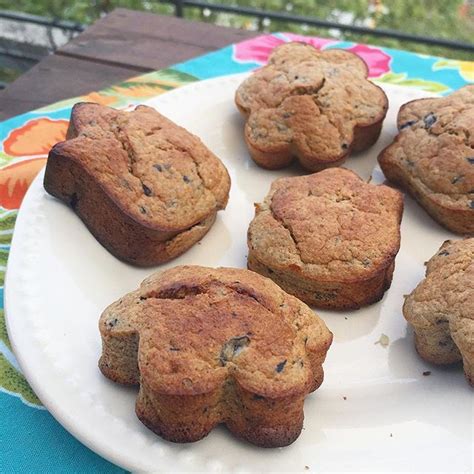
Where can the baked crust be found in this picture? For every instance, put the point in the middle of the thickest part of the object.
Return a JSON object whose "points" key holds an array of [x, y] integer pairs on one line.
{"points": [[432, 157], [146, 188], [311, 105], [211, 346], [441, 307], [328, 238]]}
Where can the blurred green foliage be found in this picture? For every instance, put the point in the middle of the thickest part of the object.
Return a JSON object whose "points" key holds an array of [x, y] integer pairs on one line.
{"points": [[8, 74], [437, 18], [451, 19]]}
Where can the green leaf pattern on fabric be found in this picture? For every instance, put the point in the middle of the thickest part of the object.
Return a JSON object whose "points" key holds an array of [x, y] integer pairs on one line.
{"points": [[465, 68], [14, 383], [62, 104], [3, 264], [12, 380], [401, 79], [169, 75], [3, 331], [4, 159], [132, 91], [7, 222]]}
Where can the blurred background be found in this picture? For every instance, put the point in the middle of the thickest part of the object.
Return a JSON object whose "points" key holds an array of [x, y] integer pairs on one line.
{"points": [[31, 29]]}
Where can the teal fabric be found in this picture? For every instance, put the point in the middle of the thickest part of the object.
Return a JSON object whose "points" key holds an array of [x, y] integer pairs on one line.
{"points": [[32, 441]]}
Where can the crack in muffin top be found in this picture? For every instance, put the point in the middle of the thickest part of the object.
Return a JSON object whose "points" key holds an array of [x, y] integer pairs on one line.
{"points": [[311, 100], [327, 224], [197, 326], [161, 174]]}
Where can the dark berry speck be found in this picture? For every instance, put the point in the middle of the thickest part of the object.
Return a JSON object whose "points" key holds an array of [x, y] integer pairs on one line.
{"points": [[146, 190], [456, 179], [429, 119], [471, 204], [471, 160], [280, 366], [112, 322], [427, 372], [142, 209], [158, 168], [443, 253], [407, 124], [186, 179], [73, 201]]}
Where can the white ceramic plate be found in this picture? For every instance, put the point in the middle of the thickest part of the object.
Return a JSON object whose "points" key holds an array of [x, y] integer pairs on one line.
{"points": [[375, 410]]}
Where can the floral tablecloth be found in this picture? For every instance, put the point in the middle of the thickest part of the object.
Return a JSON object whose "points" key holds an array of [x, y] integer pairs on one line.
{"points": [[30, 438]]}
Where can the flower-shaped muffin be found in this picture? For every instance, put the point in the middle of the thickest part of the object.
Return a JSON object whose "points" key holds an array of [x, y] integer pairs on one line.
{"points": [[312, 105], [441, 307], [432, 157], [211, 346], [146, 188], [328, 238]]}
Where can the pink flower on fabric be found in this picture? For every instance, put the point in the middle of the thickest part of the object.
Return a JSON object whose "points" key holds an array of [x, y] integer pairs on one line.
{"points": [[377, 60], [319, 43], [257, 50]]}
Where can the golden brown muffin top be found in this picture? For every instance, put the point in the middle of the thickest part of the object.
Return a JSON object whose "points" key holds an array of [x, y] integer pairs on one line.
{"points": [[435, 146], [199, 326], [160, 174], [329, 226], [447, 292], [310, 100]]}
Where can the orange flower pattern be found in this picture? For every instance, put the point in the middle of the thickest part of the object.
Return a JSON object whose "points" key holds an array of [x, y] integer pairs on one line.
{"points": [[15, 180], [35, 137]]}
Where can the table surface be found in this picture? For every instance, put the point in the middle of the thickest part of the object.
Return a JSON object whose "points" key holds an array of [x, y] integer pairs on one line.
{"points": [[121, 45]]}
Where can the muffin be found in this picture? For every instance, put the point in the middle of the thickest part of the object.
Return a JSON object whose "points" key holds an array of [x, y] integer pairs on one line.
{"points": [[432, 157], [314, 106], [328, 238], [146, 188], [441, 308], [211, 346]]}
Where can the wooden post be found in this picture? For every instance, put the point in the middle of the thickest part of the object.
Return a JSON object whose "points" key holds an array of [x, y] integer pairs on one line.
{"points": [[178, 8]]}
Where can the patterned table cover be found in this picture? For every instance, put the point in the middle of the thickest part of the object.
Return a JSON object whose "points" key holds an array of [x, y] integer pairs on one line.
{"points": [[31, 439]]}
